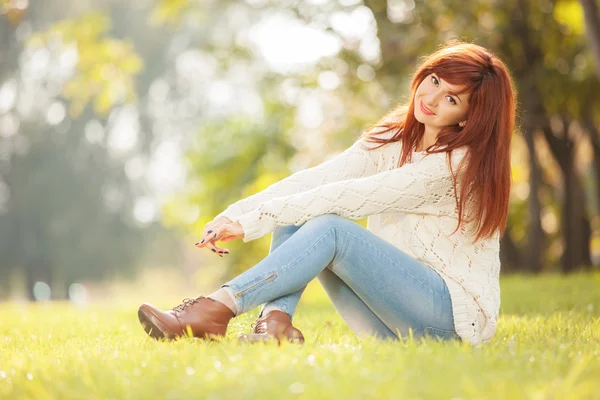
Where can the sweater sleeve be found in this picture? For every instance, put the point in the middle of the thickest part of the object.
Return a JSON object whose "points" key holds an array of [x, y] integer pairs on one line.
{"points": [[423, 187], [355, 162]]}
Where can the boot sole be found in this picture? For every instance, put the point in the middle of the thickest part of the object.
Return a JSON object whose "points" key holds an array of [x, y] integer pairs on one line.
{"points": [[150, 325], [157, 330]]}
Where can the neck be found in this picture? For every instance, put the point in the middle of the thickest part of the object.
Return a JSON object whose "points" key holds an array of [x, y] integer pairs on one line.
{"points": [[428, 139]]}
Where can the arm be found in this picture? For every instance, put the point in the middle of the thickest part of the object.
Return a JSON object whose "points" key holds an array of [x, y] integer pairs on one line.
{"points": [[354, 162], [423, 187]]}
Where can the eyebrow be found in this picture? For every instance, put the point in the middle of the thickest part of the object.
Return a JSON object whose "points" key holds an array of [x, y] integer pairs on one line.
{"points": [[449, 92]]}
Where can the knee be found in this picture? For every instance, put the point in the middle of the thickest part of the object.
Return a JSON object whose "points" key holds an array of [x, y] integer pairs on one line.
{"points": [[328, 220], [285, 230]]}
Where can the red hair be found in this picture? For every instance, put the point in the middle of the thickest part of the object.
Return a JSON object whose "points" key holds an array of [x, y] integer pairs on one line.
{"points": [[490, 121]]}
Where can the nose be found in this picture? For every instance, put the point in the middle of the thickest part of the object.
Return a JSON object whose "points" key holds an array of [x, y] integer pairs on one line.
{"points": [[430, 100]]}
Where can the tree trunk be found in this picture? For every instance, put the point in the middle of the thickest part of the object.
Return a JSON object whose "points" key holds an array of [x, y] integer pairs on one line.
{"points": [[30, 280], [535, 233], [510, 256], [576, 235], [594, 133], [569, 220], [592, 29], [533, 116]]}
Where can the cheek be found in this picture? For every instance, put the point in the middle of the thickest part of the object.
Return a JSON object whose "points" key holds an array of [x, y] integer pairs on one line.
{"points": [[422, 88], [461, 115], [418, 92], [453, 115]]}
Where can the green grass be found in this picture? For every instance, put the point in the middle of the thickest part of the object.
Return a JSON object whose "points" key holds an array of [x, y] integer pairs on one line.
{"points": [[547, 347]]}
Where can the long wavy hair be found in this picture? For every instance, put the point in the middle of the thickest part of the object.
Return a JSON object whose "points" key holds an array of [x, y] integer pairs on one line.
{"points": [[490, 121]]}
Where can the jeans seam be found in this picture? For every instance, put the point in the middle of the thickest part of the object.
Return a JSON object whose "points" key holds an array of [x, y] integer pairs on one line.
{"points": [[268, 278], [408, 272], [285, 267]]}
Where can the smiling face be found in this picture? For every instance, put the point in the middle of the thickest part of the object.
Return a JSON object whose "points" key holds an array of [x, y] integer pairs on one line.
{"points": [[438, 104]]}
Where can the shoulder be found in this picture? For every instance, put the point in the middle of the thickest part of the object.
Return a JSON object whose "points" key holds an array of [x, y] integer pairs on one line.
{"points": [[459, 157], [445, 162], [371, 138], [456, 156]]}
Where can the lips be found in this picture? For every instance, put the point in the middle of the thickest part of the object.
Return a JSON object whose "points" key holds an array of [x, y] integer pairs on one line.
{"points": [[425, 110]]}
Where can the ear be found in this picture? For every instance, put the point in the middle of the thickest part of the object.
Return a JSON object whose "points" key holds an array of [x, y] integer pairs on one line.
{"points": [[462, 123]]}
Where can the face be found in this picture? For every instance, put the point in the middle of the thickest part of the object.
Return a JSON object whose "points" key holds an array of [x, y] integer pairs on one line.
{"points": [[438, 104]]}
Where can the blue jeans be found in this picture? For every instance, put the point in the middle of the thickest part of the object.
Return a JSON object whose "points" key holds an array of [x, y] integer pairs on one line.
{"points": [[377, 288]]}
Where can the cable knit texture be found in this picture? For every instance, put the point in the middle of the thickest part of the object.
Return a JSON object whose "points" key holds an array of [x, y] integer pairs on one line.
{"points": [[413, 207]]}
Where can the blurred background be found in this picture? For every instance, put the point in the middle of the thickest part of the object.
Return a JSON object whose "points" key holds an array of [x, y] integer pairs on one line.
{"points": [[126, 126]]}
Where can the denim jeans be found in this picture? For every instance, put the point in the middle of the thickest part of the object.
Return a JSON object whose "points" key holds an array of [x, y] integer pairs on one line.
{"points": [[377, 288]]}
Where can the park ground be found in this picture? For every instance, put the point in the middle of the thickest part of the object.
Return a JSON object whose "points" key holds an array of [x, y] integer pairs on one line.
{"points": [[547, 346]]}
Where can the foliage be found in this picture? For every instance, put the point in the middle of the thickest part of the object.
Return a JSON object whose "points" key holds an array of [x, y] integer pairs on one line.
{"points": [[106, 67], [147, 54], [233, 159], [169, 12], [545, 49], [56, 224]]}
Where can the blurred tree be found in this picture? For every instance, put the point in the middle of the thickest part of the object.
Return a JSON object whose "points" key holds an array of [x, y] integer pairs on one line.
{"points": [[105, 69], [590, 110], [538, 58], [592, 23], [541, 41], [232, 157], [67, 209]]}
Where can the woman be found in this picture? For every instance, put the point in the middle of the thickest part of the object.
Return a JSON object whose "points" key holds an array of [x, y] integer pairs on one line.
{"points": [[436, 192]]}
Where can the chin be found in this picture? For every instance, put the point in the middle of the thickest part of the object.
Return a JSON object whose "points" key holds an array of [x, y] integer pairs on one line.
{"points": [[419, 116]]}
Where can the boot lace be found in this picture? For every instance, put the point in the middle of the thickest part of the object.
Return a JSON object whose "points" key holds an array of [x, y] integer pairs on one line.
{"points": [[186, 303], [259, 326]]}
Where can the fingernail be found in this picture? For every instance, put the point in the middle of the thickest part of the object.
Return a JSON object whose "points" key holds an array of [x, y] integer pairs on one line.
{"points": [[214, 250], [215, 235], [201, 241], [197, 243], [209, 231], [220, 252]]}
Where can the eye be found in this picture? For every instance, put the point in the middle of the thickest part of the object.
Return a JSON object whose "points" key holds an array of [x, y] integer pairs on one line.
{"points": [[434, 80], [451, 99]]}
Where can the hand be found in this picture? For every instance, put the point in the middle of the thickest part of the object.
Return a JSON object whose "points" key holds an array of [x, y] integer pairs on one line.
{"points": [[219, 222], [209, 228], [222, 229]]}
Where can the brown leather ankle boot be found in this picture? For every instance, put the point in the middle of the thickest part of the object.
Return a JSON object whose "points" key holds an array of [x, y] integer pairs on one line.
{"points": [[277, 325], [205, 317]]}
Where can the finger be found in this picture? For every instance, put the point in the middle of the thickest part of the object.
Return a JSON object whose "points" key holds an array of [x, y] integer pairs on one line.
{"points": [[206, 236], [220, 233], [216, 236], [219, 251], [210, 228], [212, 244], [206, 243]]}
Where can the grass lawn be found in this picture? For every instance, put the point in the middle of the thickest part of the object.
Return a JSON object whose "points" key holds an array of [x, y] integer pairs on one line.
{"points": [[547, 347]]}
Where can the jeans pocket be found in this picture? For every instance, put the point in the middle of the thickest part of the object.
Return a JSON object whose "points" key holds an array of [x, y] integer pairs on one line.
{"points": [[443, 334]]}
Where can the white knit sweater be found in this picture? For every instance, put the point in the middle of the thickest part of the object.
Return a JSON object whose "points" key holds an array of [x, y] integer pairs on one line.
{"points": [[413, 207]]}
